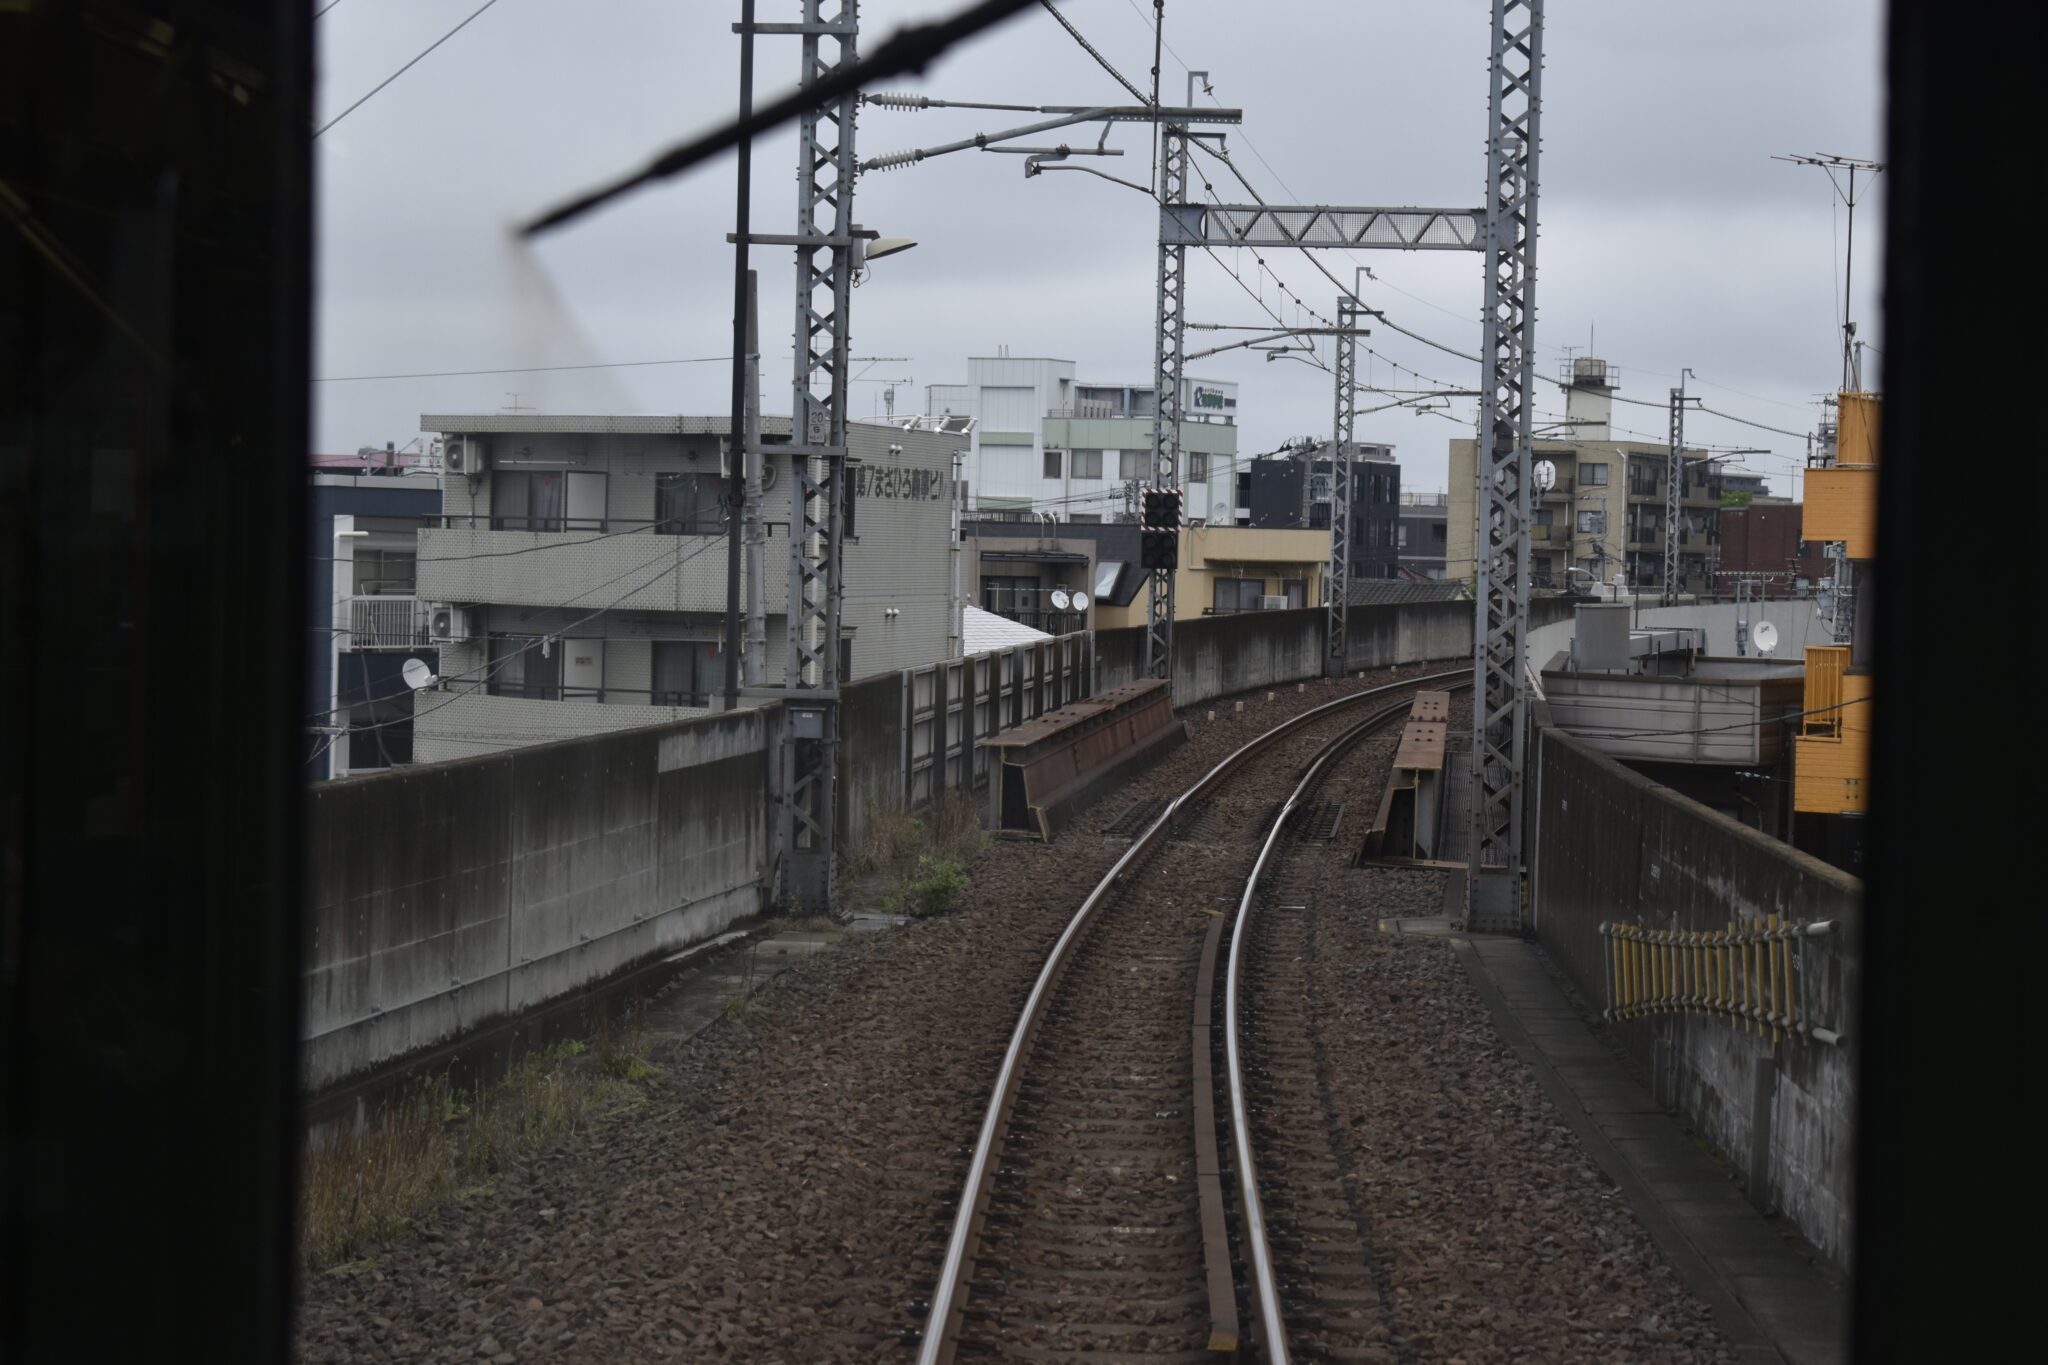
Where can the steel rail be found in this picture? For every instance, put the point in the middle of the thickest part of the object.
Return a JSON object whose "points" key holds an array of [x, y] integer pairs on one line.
{"points": [[948, 1296], [1265, 1284]]}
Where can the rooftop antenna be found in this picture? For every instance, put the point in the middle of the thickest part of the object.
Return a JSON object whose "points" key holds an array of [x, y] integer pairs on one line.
{"points": [[1852, 368], [515, 405]]}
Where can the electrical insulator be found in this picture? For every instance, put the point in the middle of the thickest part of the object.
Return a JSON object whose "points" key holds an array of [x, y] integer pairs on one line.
{"points": [[896, 100], [892, 161]]}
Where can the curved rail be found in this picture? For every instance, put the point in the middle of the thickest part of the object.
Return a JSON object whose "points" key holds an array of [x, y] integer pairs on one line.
{"points": [[948, 1298], [1258, 1254]]}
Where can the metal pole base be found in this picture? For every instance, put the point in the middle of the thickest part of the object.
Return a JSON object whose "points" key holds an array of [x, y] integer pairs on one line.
{"points": [[1496, 902]]}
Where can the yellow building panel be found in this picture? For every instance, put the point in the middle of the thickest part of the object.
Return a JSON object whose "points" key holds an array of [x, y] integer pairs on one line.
{"points": [[1831, 773], [1841, 504], [1830, 777], [1856, 433]]}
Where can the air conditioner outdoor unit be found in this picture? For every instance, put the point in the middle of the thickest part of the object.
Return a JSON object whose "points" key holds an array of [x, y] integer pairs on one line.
{"points": [[464, 455], [1271, 603], [447, 625]]}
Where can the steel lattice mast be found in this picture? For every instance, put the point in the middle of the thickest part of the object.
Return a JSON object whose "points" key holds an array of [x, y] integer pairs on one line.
{"points": [[1500, 647], [1170, 329], [1337, 636], [1674, 482], [817, 455]]}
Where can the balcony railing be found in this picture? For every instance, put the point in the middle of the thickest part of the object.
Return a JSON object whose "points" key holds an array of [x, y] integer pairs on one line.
{"points": [[704, 522], [387, 623]]}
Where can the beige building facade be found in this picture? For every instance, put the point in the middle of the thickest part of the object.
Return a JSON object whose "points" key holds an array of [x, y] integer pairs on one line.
{"points": [[1604, 514]]}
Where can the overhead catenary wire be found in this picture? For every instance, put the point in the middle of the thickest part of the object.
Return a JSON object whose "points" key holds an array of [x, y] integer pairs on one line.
{"points": [[1312, 257], [1096, 53], [1716, 729], [521, 369], [401, 70]]}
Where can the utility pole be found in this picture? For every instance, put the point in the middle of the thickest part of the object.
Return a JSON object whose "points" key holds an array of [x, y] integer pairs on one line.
{"points": [[825, 258], [735, 438], [1674, 480], [1852, 369], [754, 659], [1170, 333], [1336, 634], [1506, 468]]}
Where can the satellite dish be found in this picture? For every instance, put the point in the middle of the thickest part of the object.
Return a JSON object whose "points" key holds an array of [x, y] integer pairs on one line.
{"points": [[1546, 476], [1080, 601], [1060, 600], [1765, 635], [417, 675]]}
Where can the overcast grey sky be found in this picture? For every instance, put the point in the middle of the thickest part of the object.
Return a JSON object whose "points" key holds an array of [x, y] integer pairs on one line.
{"points": [[1667, 232]]}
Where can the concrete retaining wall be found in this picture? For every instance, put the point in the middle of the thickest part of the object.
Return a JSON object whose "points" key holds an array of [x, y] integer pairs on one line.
{"points": [[1607, 844], [443, 896], [1215, 656]]}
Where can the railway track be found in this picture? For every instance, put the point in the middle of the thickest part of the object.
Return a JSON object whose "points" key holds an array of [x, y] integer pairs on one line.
{"points": [[1116, 1204]]}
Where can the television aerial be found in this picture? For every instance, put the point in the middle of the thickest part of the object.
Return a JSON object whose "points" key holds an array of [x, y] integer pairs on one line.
{"points": [[417, 675], [1765, 636]]}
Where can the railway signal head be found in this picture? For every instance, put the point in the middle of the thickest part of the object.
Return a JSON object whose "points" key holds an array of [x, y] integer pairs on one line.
{"points": [[1159, 530]]}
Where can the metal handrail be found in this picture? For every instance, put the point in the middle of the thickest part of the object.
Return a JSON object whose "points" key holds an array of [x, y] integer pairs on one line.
{"points": [[947, 1300]]}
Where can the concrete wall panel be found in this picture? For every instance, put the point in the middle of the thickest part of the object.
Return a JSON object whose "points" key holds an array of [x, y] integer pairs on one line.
{"points": [[1609, 845], [443, 896]]}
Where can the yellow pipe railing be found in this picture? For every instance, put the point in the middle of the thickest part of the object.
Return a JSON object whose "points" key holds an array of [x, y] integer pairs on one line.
{"points": [[1747, 975]]}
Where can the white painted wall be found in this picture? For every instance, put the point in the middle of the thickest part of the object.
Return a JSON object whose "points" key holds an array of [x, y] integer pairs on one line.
{"points": [[1799, 625]]}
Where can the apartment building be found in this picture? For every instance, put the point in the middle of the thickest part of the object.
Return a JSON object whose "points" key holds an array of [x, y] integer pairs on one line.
{"points": [[1765, 541], [1422, 535], [577, 575], [1062, 576], [1043, 441], [1273, 498], [1604, 513], [363, 614]]}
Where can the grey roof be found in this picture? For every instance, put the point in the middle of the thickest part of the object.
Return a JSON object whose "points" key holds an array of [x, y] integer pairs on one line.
{"points": [[1366, 592]]}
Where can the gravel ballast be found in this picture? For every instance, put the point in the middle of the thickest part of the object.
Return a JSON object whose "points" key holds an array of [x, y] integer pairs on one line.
{"points": [[786, 1191]]}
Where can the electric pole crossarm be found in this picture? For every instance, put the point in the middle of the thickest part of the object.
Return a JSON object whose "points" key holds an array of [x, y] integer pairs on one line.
{"points": [[1281, 225], [1103, 114], [1276, 336]]}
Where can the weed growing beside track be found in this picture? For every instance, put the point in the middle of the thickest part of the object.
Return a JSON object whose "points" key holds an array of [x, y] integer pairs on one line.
{"points": [[436, 1143], [918, 863]]}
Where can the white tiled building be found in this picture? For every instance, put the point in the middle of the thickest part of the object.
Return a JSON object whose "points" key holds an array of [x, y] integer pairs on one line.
{"points": [[580, 566], [1044, 441]]}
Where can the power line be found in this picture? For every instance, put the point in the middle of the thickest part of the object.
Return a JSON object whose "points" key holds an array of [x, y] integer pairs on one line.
{"points": [[401, 70], [522, 369], [1314, 260], [1716, 729], [1090, 49], [1761, 426]]}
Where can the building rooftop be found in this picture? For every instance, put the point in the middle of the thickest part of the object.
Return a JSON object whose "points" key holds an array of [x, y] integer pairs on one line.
{"points": [[1366, 592], [982, 631], [535, 423]]}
